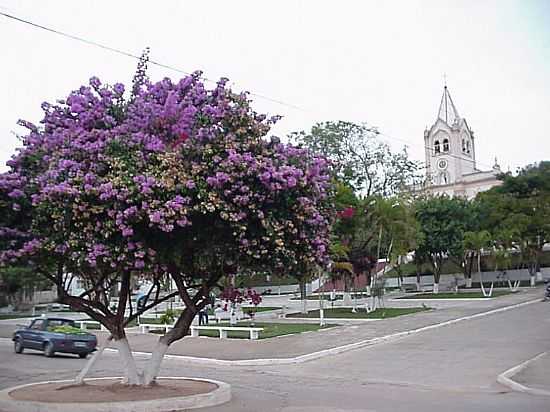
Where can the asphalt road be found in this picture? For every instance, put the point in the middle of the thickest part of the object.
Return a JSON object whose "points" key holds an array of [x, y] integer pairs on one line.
{"points": [[448, 369]]}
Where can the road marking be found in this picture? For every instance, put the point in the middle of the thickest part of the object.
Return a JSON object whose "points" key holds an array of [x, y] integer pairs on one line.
{"points": [[505, 378]]}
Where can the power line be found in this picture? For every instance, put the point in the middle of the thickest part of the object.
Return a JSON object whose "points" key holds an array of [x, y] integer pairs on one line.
{"points": [[131, 55], [175, 69]]}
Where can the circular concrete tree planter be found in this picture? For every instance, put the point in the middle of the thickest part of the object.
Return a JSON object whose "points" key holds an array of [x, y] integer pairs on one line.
{"points": [[220, 393]]}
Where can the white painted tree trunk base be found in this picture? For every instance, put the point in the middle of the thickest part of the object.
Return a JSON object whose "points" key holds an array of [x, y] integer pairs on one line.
{"points": [[469, 282], [153, 366], [347, 299], [92, 361], [436, 288], [514, 287], [484, 291], [533, 281], [132, 376], [304, 306]]}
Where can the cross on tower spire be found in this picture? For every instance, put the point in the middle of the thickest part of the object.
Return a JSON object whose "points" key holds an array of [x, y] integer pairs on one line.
{"points": [[447, 110]]}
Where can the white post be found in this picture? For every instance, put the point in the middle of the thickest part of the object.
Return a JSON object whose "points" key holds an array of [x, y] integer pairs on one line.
{"points": [[321, 303], [80, 378]]}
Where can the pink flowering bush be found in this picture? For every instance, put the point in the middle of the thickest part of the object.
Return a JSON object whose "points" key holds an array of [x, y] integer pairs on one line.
{"points": [[174, 180]]}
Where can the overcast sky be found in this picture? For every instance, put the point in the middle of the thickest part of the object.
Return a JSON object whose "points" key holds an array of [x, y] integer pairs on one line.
{"points": [[380, 62]]}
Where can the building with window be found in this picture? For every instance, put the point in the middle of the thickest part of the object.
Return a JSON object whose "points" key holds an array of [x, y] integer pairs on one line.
{"points": [[451, 157]]}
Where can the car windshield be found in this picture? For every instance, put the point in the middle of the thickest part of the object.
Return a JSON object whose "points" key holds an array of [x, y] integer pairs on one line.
{"points": [[54, 323]]}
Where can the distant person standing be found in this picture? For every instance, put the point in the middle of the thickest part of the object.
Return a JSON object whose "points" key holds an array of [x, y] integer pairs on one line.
{"points": [[203, 316]]}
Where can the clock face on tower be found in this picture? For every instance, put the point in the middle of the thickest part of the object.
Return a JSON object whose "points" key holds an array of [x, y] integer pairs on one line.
{"points": [[442, 164]]}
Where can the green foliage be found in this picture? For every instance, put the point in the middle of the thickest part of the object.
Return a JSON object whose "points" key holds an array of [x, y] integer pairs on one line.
{"points": [[360, 159], [443, 222], [68, 330], [19, 280], [168, 317], [517, 213]]}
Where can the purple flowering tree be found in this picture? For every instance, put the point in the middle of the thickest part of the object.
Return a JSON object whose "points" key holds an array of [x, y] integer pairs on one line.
{"points": [[175, 181]]}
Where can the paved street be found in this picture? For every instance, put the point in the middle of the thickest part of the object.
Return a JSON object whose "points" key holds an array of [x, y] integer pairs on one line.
{"points": [[452, 368]]}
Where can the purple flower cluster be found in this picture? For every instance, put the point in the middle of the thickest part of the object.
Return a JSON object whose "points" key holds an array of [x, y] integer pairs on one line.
{"points": [[114, 184]]}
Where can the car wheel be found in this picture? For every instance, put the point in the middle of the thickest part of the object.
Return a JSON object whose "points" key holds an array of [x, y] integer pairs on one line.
{"points": [[83, 355], [18, 346], [48, 349]]}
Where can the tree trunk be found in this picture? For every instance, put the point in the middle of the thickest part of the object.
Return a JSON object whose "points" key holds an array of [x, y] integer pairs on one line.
{"points": [[303, 295], [181, 328], [153, 366], [132, 376], [92, 361], [469, 281], [437, 276]]}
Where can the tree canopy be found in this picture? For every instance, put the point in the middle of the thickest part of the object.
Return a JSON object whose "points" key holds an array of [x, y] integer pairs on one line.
{"points": [[174, 180]]}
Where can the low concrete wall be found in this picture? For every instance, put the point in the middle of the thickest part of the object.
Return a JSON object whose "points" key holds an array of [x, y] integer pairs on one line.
{"points": [[514, 274]]}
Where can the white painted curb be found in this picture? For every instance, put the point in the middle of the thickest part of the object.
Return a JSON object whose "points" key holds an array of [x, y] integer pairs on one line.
{"points": [[218, 396], [505, 378]]}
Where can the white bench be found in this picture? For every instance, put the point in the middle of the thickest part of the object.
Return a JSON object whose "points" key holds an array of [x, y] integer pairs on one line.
{"points": [[146, 327], [83, 324], [254, 332]]}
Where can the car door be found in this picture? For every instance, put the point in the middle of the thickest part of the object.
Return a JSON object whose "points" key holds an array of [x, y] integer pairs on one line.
{"points": [[33, 337]]}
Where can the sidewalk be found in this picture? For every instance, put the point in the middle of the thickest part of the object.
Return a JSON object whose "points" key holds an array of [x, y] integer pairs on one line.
{"points": [[290, 346], [536, 375]]}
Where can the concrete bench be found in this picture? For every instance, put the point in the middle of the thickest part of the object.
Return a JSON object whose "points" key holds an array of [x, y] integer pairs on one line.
{"points": [[409, 287], [146, 327], [83, 324], [254, 332]]}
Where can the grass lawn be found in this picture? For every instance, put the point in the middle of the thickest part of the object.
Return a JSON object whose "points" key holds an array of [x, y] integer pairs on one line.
{"points": [[459, 295], [346, 313], [270, 329], [260, 308]]}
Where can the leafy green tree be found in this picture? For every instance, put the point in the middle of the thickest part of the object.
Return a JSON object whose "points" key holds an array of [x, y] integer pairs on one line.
{"points": [[359, 158], [442, 222], [520, 209], [20, 282]]}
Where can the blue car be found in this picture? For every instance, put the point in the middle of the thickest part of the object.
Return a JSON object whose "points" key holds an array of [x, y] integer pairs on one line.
{"points": [[40, 335]]}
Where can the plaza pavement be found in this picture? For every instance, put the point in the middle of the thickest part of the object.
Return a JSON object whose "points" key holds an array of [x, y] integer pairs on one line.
{"points": [[348, 332]]}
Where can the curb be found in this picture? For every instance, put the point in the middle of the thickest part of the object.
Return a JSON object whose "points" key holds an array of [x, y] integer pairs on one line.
{"points": [[505, 378], [332, 351], [218, 396]]}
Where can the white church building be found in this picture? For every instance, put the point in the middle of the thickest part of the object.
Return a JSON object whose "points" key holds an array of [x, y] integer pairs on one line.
{"points": [[451, 156]]}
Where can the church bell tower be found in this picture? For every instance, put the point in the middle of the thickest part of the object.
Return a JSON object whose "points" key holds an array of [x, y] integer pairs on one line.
{"points": [[449, 146]]}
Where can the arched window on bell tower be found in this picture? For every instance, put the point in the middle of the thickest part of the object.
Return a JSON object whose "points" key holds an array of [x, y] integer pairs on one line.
{"points": [[436, 146], [463, 145], [446, 145]]}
